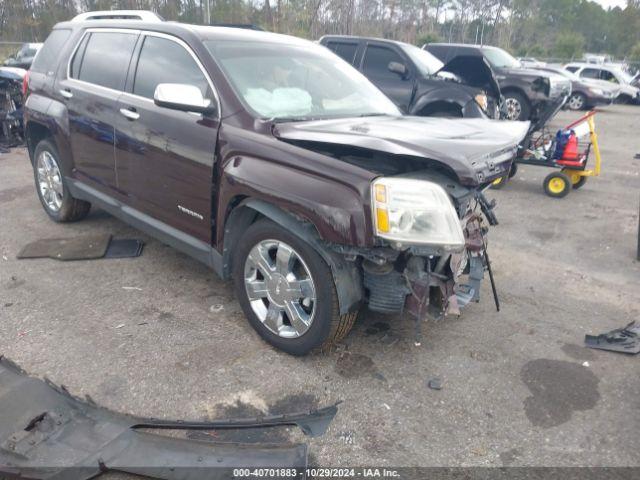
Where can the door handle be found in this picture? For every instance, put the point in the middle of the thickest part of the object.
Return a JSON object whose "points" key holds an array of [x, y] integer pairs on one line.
{"points": [[66, 93], [130, 113]]}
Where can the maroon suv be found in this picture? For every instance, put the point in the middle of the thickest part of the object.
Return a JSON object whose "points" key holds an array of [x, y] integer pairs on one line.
{"points": [[271, 160]]}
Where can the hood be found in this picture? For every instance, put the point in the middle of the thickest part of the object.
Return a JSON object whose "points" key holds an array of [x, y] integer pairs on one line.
{"points": [[530, 72], [476, 150], [474, 71]]}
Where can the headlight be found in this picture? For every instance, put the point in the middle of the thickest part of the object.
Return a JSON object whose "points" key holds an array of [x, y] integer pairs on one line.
{"points": [[408, 211], [481, 99]]}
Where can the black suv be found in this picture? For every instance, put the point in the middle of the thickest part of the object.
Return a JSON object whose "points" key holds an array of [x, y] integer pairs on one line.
{"points": [[418, 82], [270, 160], [526, 92]]}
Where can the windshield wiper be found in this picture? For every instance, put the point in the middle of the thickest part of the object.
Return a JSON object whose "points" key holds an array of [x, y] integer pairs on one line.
{"points": [[292, 119]]}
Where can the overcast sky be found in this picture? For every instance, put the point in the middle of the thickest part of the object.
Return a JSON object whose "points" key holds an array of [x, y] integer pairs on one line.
{"points": [[612, 3]]}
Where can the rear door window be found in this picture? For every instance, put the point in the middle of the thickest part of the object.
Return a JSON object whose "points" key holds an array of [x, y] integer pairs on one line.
{"points": [[105, 58], [165, 61], [608, 76], [377, 59], [47, 58], [590, 73], [346, 50]]}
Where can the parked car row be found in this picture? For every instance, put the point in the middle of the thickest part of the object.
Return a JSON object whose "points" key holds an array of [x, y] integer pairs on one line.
{"points": [[418, 82], [23, 58], [611, 74]]}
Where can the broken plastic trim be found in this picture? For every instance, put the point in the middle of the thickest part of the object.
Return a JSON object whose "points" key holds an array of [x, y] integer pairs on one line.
{"points": [[46, 433]]}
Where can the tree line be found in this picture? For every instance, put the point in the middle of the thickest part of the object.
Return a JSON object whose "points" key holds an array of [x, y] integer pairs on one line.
{"points": [[544, 28]]}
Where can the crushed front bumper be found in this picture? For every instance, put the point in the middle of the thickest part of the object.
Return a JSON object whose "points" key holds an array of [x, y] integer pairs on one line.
{"points": [[428, 285]]}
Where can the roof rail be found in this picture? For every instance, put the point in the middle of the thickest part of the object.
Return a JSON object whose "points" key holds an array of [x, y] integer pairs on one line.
{"points": [[144, 15]]}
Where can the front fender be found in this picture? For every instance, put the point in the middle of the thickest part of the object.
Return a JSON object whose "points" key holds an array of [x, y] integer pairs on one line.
{"points": [[339, 212], [453, 96], [346, 275]]}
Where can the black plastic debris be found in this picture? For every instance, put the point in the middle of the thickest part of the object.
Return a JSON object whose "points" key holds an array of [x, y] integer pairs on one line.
{"points": [[88, 247], [435, 384], [625, 340], [46, 433], [124, 248]]}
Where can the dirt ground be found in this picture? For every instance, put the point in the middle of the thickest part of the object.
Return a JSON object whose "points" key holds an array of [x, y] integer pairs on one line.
{"points": [[161, 336]]}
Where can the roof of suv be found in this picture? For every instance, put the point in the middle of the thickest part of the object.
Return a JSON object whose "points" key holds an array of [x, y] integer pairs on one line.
{"points": [[358, 38], [201, 31], [465, 45]]}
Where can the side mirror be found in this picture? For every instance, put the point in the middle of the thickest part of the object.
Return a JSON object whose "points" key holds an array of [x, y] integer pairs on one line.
{"points": [[183, 97], [399, 68]]}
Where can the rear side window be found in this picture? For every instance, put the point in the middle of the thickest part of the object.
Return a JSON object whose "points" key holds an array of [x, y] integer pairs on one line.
{"points": [[104, 59], [572, 69], [377, 59], [47, 58], [590, 73], [165, 61], [345, 50], [608, 76]]}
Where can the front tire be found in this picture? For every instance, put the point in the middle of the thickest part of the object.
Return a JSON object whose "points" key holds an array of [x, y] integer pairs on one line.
{"points": [[577, 101], [287, 291], [52, 190], [517, 106]]}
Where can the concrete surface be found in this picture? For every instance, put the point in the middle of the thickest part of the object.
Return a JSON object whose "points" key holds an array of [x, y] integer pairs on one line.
{"points": [[160, 336]]}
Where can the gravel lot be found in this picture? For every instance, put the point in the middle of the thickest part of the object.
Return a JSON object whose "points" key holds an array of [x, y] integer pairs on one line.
{"points": [[161, 336]]}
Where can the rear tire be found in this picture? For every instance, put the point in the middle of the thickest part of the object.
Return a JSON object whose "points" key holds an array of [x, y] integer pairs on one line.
{"points": [[325, 326], [623, 99], [577, 180], [51, 186]]}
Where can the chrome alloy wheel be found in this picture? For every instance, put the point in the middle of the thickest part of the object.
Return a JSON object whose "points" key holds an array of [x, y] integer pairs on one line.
{"points": [[280, 288], [49, 181], [576, 102], [514, 109]]}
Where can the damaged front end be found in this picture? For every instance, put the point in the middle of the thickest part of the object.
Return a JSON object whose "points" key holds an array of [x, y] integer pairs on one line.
{"points": [[430, 280], [429, 213]]}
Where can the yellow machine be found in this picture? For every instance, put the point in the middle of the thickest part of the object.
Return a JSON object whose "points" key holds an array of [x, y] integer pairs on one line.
{"points": [[571, 158]]}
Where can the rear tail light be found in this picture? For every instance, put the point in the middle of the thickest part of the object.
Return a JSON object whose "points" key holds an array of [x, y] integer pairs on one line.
{"points": [[25, 84]]}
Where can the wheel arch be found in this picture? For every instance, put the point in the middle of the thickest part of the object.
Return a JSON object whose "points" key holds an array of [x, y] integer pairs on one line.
{"points": [[247, 210], [518, 90], [35, 132], [439, 106]]}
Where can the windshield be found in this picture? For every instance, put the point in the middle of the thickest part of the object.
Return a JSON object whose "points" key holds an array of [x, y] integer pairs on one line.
{"points": [[618, 72], [293, 82], [498, 58], [424, 61], [565, 73]]}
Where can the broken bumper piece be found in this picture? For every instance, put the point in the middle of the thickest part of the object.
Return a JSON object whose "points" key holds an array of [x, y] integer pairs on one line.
{"points": [[45, 433]]}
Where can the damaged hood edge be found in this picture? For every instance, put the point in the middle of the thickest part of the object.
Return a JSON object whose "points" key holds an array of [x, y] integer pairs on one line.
{"points": [[468, 146]]}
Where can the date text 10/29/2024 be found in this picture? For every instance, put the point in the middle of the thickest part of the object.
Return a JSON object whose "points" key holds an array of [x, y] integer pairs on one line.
{"points": [[313, 473]]}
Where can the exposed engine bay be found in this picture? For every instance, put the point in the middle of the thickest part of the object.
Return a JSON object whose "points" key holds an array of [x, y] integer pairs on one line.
{"points": [[11, 102]]}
